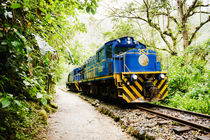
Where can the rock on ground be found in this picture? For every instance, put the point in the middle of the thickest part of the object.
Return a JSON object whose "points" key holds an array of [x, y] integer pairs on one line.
{"points": [[75, 119]]}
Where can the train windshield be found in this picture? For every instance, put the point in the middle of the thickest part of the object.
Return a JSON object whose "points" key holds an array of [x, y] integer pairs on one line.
{"points": [[119, 50]]}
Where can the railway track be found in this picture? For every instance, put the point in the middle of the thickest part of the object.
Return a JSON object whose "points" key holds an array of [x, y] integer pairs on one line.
{"points": [[198, 121], [184, 111]]}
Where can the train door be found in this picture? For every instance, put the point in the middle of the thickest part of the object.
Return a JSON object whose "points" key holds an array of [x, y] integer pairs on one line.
{"points": [[101, 62], [108, 54]]}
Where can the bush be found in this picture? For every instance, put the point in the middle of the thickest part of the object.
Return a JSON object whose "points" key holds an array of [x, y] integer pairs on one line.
{"points": [[188, 83]]}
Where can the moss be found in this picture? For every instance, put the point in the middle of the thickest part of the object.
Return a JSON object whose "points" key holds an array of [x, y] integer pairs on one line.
{"points": [[34, 105], [103, 110], [175, 123], [129, 130], [121, 122], [53, 105], [43, 114], [99, 109], [123, 126], [47, 108], [112, 115], [53, 109], [107, 112]]}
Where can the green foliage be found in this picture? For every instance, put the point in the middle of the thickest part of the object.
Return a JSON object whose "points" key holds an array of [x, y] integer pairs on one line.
{"points": [[121, 29], [15, 5], [188, 84], [33, 41], [5, 102]]}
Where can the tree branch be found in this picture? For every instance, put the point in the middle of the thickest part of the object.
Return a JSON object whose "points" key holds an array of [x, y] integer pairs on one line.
{"points": [[202, 5], [198, 12], [161, 34], [149, 21], [197, 29], [130, 17], [147, 10], [190, 9], [168, 15], [180, 8]]}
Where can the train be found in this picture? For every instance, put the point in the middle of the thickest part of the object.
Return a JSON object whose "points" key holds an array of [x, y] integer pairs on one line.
{"points": [[123, 69]]}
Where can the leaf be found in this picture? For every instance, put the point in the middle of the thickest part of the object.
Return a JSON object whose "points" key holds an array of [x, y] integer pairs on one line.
{"points": [[43, 10], [39, 95], [5, 102], [88, 9], [18, 103], [48, 17], [26, 83], [93, 10], [15, 5], [1, 34], [3, 43], [15, 43], [44, 101]]}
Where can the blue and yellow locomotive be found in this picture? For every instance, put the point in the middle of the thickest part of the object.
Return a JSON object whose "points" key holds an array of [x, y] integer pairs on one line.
{"points": [[122, 68]]}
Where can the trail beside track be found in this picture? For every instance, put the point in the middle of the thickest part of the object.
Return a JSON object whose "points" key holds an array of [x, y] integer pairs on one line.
{"points": [[75, 119]]}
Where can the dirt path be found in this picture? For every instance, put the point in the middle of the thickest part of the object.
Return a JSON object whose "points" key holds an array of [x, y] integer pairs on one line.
{"points": [[78, 120]]}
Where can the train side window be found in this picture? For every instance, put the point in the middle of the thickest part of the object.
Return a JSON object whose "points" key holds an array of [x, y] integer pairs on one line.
{"points": [[100, 55], [109, 51]]}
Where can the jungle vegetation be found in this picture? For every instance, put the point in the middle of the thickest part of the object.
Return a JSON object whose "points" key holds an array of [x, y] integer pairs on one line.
{"points": [[37, 43], [34, 42]]}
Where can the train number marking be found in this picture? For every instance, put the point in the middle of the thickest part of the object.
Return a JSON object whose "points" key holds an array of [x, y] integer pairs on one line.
{"points": [[143, 51]]}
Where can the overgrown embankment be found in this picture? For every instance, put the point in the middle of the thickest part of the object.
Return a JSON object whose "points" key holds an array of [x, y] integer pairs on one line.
{"points": [[188, 83]]}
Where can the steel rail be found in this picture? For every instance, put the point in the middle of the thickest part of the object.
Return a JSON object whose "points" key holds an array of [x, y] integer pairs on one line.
{"points": [[184, 111], [194, 125]]}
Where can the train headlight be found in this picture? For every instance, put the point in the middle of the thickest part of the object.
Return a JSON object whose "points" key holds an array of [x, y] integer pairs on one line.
{"points": [[134, 76], [129, 40], [162, 76], [128, 83], [143, 60]]}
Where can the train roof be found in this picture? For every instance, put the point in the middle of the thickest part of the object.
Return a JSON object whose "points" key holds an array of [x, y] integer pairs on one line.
{"points": [[122, 41]]}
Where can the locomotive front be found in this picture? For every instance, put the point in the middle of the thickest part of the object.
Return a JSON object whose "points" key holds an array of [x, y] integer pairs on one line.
{"points": [[137, 72]]}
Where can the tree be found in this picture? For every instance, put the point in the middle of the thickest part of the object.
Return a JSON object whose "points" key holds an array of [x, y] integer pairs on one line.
{"points": [[121, 29], [171, 19]]}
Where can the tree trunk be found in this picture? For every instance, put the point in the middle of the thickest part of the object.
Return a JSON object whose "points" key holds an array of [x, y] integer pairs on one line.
{"points": [[185, 36]]}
